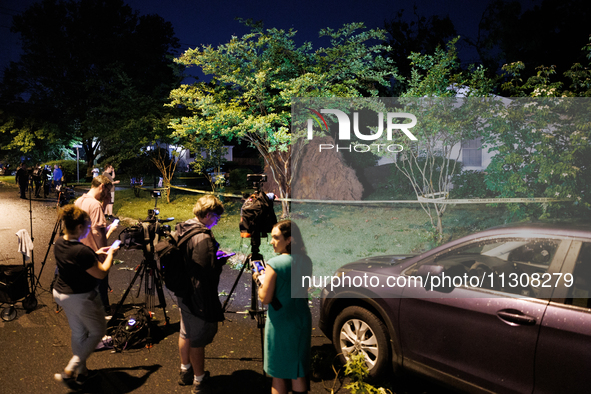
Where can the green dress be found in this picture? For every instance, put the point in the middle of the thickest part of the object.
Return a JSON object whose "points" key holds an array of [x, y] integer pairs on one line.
{"points": [[288, 331]]}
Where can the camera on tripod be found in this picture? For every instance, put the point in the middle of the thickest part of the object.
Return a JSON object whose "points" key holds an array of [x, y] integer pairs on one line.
{"points": [[145, 234], [256, 178], [257, 218], [66, 194]]}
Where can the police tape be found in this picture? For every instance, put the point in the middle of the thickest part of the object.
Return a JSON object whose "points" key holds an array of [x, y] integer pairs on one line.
{"points": [[420, 200], [436, 201]]}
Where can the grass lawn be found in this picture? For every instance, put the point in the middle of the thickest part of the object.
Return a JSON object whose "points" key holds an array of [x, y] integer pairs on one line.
{"points": [[8, 179], [333, 234]]}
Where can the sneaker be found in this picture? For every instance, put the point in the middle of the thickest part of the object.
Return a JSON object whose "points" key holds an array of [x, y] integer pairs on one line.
{"points": [[69, 381], [186, 377], [202, 387]]}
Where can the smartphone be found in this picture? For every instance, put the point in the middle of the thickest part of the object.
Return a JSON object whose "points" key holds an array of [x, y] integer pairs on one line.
{"points": [[115, 222], [226, 255], [116, 243], [257, 265]]}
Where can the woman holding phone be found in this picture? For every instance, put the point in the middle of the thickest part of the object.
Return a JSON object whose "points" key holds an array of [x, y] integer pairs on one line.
{"points": [[288, 329], [75, 291]]}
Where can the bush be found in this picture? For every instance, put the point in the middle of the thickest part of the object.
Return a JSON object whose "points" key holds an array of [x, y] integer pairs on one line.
{"points": [[470, 184], [69, 169], [238, 178]]}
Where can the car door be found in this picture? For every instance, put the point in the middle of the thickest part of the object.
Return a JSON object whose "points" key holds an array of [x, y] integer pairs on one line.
{"points": [[563, 355], [483, 331]]}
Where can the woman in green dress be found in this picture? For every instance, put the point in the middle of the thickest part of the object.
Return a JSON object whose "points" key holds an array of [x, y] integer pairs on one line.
{"points": [[288, 329]]}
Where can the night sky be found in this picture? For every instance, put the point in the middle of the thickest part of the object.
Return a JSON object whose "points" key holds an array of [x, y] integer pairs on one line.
{"points": [[213, 22]]}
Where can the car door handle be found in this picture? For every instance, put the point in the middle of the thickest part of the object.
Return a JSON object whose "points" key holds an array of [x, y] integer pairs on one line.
{"points": [[517, 317]]}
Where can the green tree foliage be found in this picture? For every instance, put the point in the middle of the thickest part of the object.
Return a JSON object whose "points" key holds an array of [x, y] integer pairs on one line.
{"points": [[255, 77], [419, 34], [445, 121], [543, 145], [91, 70]]}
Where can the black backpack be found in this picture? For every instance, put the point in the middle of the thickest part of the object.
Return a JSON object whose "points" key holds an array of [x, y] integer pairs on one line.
{"points": [[257, 215], [172, 261]]}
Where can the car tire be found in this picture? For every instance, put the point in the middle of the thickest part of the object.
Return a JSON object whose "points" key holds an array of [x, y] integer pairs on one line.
{"points": [[357, 329]]}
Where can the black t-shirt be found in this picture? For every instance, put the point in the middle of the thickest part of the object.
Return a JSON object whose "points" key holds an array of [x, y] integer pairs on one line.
{"points": [[73, 259]]}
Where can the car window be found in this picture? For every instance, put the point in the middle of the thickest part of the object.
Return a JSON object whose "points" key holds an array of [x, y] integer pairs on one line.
{"points": [[516, 266], [580, 291]]}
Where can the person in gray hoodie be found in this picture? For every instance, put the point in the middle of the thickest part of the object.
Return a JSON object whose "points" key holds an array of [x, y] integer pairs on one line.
{"points": [[201, 309]]}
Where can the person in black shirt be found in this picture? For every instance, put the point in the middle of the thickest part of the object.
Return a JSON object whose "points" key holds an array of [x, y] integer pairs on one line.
{"points": [[36, 178], [22, 179], [75, 291]]}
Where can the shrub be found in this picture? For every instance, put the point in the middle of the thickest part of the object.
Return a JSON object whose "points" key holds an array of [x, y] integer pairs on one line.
{"points": [[238, 177], [470, 184]]}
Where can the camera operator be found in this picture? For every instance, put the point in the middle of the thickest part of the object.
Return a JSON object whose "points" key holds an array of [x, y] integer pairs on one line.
{"points": [[99, 231], [36, 178], [22, 179], [74, 290], [45, 181], [201, 309], [288, 331]]}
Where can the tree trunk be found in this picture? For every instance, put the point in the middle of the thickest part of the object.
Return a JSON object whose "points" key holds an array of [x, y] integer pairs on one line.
{"points": [[439, 228], [90, 158]]}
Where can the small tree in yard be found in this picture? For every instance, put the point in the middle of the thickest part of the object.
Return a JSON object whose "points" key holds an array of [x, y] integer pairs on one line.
{"points": [[213, 159], [166, 164], [444, 122]]}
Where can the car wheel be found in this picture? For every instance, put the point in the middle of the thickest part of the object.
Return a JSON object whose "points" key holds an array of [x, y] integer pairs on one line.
{"points": [[358, 330]]}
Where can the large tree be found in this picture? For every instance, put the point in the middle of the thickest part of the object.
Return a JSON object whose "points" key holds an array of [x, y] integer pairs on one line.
{"points": [[96, 70], [255, 77], [415, 34]]}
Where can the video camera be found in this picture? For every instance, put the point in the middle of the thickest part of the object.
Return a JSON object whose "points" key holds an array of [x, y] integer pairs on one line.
{"points": [[256, 178], [146, 233], [65, 195]]}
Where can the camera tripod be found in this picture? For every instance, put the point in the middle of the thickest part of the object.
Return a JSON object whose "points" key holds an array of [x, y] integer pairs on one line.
{"points": [[57, 229], [256, 311], [148, 270], [150, 274]]}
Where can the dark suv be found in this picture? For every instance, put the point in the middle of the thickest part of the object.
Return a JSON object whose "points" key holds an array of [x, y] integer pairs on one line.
{"points": [[504, 310]]}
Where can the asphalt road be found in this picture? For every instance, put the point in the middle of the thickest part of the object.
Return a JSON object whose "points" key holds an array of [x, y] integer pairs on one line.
{"points": [[36, 345]]}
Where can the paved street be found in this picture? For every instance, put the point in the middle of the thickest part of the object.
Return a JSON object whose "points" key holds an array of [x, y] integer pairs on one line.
{"points": [[36, 345]]}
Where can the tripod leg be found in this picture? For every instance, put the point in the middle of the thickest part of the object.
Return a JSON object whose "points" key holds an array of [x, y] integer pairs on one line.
{"points": [[244, 264], [120, 304], [55, 230], [160, 291]]}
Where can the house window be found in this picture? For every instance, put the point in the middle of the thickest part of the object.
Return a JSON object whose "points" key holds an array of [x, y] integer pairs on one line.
{"points": [[472, 153]]}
